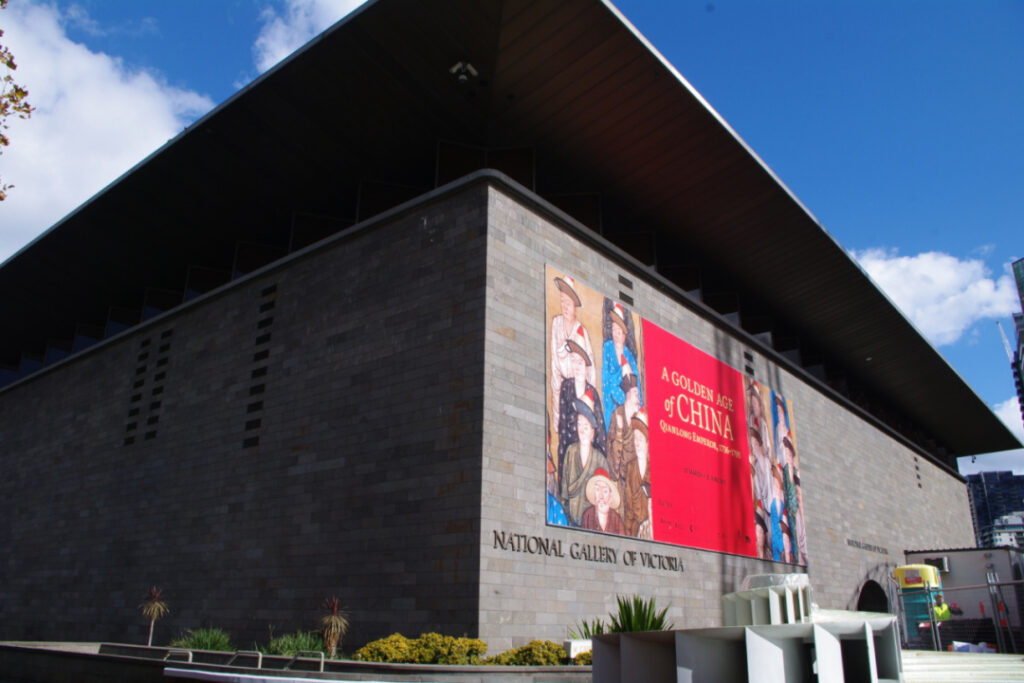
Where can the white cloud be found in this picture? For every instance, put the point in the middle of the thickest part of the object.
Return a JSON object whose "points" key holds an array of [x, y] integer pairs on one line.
{"points": [[984, 250], [299, 21], [1009, 412], [941, 294], [95, 118], [78, 17]]}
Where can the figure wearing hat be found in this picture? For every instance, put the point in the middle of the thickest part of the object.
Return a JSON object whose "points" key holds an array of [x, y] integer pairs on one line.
{"points": [[603, 496], [574, 388], [620, 430], [564, 327], [582, 459], [618, 359], [636, 504]]}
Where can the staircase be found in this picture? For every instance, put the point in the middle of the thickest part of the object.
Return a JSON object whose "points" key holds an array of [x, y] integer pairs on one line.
{"points": [[955, 667]]}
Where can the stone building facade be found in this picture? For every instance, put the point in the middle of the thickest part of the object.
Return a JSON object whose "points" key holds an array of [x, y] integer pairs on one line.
{"points": [[349, 394], [352, 421]]}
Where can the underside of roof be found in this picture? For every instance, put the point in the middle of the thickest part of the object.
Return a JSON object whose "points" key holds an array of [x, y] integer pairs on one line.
{"points": [[566, 98]]}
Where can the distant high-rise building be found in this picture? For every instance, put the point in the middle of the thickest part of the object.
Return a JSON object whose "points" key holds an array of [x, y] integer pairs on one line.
{"points": [[1008, 530], [993, 495], [1018, 320], [1018, 274]]}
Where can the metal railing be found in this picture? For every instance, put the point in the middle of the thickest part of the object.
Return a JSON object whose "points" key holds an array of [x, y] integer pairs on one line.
{"points": [[185, 655], [178, 652], [989, 613], [247, 653], [306, 655]]}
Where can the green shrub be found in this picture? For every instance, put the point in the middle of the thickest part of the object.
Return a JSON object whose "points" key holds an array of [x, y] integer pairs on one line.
{"points": [[290, 643], [586, 630], [637, 614], [534, 653], [429, 648], [205, 639], [393, 648], [434, 648], [584, 658]]}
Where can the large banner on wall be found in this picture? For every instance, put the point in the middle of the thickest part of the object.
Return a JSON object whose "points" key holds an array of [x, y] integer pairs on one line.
{"points": [[651, 438]]}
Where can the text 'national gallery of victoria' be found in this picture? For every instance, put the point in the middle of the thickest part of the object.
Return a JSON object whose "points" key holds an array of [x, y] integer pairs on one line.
{"points": [[476, 315]]}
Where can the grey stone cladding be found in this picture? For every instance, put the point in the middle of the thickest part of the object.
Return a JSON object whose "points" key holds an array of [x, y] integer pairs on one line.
{"points": [[366, 418], [867, 497], [318, 434]]}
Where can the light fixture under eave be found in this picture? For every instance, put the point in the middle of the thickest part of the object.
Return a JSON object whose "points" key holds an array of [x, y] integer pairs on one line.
{"points": [[463, 71]]}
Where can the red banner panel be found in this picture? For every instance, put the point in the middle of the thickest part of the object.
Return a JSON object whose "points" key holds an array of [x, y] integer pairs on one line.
{"points": [[700, 460]]}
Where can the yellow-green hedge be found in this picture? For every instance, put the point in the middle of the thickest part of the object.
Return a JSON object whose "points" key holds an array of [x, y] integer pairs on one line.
{"points": [[434, 648], [534, 653], [429, 648]]}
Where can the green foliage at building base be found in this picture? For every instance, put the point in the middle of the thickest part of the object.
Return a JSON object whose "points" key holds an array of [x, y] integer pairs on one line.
{"points": [[534, 653], [429, 648], [205, 639], [291, 643]]}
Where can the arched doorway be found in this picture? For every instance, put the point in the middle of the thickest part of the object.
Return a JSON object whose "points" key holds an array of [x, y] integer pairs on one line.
{"points": [[872, 598]]}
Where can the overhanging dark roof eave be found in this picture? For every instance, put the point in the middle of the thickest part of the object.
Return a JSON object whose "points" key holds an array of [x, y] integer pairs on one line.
{"points": [[655, 144]]}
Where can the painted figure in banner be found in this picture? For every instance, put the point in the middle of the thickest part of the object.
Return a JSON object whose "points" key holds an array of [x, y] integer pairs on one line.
{"points": [[780, 426], [794, 500], [563, 328], [776, 516], [636, 506], [556, 513], [618, 356], [787, 543], [756, 419], [603, 496], [759, 434], [761, 465], [582, 459], [761, 534], [620, 431], [575, 387]]}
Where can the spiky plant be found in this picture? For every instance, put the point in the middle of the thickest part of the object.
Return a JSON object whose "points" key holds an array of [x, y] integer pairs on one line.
{"points": [[153, 608], [333, 625], [586, 630], [209, 638], [637, 614], [291, 643]]}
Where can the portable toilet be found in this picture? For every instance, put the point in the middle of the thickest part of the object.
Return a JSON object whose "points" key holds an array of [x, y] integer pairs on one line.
{"points": [[917, 583]]}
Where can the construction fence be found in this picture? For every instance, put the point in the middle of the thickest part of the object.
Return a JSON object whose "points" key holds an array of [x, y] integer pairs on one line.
{"points": [[987, 616]]}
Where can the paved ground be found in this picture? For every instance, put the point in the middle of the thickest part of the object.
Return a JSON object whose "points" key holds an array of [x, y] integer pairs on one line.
{"points": [[957, 667]]}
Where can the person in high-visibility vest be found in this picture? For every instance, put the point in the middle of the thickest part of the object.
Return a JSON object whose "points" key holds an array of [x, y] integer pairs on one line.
{"points": [[941, 609]]}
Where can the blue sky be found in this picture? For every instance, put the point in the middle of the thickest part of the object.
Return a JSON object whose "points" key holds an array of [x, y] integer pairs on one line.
{"points": [[898, 125]]}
